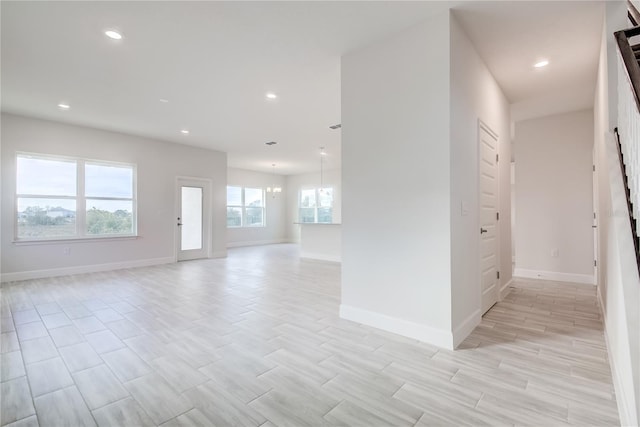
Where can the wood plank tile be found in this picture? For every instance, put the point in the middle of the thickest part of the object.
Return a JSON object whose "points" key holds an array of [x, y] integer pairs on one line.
{"points": [[66, 335], [219, 342], [79, 357], [157, 398], [63, 408], [126, 365], [47, 376], [38, 349], [16, 400], [31, 421], [124, 412], [11, 366], [221, 408], [99, 386]]}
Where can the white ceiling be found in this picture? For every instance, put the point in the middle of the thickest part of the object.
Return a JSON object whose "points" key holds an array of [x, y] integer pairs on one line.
{"points": [[214, 62], [513, 35]]}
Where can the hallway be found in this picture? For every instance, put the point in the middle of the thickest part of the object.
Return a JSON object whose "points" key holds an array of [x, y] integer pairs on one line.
{"points": [[255, 339]]}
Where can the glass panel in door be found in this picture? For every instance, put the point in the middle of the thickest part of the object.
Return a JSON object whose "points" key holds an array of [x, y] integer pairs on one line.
{"points": [[191, 218]]}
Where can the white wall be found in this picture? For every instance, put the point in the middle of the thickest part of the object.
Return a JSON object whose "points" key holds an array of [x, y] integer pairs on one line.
{"points": [[158, 164], [274, 231], [474, 95], [396, 259], [618, 282], [295, 183], [554, 197]]}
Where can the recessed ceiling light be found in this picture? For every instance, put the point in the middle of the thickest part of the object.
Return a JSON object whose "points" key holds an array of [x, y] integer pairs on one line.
{"points": [[164, 101], [184, 132], [113, 34], [271, 95], [63, 106], [541, 64]]}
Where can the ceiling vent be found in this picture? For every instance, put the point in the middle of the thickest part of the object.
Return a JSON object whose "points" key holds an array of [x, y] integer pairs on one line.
{"points": [[338, 126], [271, 143]]}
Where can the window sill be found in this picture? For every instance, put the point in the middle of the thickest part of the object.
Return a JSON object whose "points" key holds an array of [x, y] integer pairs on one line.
{"points": [[74, 240]]}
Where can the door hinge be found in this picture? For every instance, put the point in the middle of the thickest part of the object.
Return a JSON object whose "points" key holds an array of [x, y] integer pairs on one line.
{"points": [[497, 158], [594, 215], [595, 263], [594, 168], [497, 216], [498, 274]]}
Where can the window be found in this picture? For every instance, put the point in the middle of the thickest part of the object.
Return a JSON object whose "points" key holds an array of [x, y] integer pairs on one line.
{"points": [[316, 205], [61, 198], [245, 207]]}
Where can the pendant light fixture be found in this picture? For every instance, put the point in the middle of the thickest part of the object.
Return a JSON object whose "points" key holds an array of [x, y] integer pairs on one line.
{"points": [[275, 189]]}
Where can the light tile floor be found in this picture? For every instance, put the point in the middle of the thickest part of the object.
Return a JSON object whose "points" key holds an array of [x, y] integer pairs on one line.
{"points": [[255, 339]]}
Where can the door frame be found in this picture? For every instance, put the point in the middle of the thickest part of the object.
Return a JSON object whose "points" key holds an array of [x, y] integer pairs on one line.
{"points": [[595, 200], [483, 126], [207, 212]]}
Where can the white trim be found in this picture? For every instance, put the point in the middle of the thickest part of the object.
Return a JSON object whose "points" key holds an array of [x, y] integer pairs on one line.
{"points": [[82, 269], [320, 256], [61, 241], [254, 243], [504, 290], [627, 416], [466, 327], [438, 337], [587, 279]]}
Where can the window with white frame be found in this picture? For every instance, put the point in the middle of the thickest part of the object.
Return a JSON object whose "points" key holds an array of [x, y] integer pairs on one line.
{"points": [[316, 205], [245, 207], [69, 198]]}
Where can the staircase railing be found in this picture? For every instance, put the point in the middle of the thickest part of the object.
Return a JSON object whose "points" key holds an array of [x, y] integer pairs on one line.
{"points": [[628, 130]]}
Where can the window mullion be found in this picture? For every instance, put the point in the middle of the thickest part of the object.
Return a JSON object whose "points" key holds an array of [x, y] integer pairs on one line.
{"points": [[45, 196], [244, 210], [81, 203]]}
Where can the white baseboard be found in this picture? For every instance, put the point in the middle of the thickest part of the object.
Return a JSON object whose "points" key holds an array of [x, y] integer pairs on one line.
{"points": [[587, 279], [625, 408], [466, 327], [438, 337], [504, 290], [219, 254], [255, 243], [54, 272], [321, 257]]}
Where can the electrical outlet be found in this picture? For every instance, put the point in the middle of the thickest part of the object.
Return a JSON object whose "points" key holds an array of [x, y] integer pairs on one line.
{"points": [[67, 251], [555, 253]]}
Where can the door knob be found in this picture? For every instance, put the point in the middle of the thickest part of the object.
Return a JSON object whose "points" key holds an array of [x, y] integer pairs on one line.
{"points": [[482, 230]]}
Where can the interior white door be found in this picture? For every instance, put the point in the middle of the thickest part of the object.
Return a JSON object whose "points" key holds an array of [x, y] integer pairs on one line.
{"points": [[193, 219], [489, 202]]}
